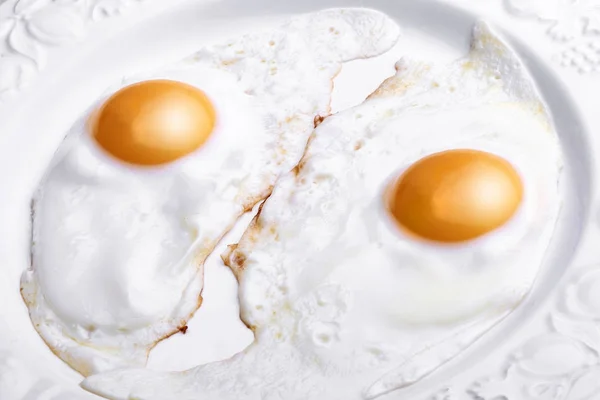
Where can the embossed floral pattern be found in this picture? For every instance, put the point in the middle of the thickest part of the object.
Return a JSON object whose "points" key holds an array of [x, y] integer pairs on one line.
{"points": [[562, 363], [19, 380], [573, 24], [33, 26], [28, 29]]}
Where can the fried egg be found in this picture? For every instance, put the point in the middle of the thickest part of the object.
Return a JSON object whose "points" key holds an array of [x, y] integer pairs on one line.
{"points": [[413, 223], [150, 179]]}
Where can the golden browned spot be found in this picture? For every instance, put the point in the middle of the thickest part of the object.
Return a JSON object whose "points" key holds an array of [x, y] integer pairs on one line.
{"points": [[468, 65], [318, 120], [239, 259], [300, 165], [358, 145], [456, 195], [254, 234], [257, 222], [282, 151], [292, 119], [391, 86], [227, 254], [273, 231], [298, 168], [154, 122], [204, 249]]}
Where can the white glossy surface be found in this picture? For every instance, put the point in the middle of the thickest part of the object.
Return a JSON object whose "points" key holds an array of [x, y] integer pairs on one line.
{"points": [[149, 34], [367, 310], [117, 261]]}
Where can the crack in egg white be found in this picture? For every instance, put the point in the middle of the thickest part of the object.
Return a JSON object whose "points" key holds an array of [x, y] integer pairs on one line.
{"points": [[118, 250], [343, 305]]}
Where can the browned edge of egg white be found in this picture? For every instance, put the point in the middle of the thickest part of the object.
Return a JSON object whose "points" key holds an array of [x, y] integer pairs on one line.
{"points": [[255, 224], [231, 257], [84, 369], [236, 265]]}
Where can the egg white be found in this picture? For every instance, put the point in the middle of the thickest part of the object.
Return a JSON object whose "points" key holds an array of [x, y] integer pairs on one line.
{"points": [[343, 305], [118, 249]]}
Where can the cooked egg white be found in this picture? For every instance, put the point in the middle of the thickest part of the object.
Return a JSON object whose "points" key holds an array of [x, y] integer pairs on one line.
{"points": [[413, 223], [151, 178]]}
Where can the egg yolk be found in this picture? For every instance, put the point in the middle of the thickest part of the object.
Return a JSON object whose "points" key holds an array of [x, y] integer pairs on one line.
{"points": [[154, 122], [456, 195]]}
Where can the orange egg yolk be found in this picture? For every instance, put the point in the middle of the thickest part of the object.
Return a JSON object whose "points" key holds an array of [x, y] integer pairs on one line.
{"points": [[154, 122], [455, 195]]}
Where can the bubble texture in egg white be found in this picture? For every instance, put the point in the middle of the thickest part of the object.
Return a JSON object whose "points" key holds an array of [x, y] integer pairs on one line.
{"points": [[343, 305], [118, 249]]}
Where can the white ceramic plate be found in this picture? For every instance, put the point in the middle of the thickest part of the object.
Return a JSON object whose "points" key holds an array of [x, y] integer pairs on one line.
{"points": [[57, 56]]}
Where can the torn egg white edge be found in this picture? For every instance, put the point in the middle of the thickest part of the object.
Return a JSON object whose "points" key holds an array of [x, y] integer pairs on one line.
{"points": [[52, 329], [119, 384], [486, 64], [387, 33]]}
